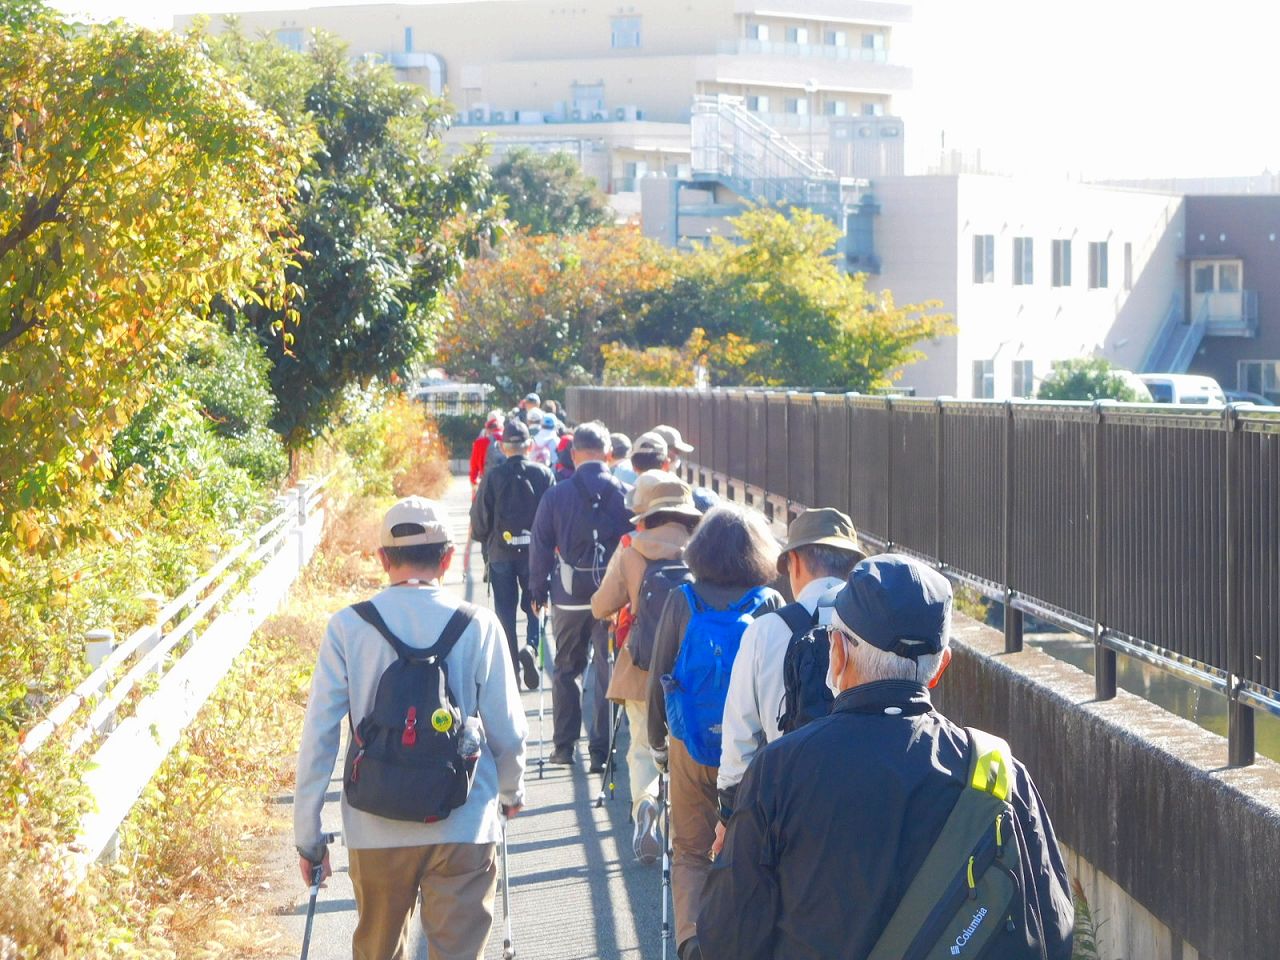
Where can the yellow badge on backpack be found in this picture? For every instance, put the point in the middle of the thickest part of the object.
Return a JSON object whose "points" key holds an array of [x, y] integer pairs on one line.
{"points": [[442, 720]]}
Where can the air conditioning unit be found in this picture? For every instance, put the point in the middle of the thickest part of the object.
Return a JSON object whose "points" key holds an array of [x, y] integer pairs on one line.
{"points": [[529, 116], [497, 116], [575, 115], [479, 113], [627, 113], [600, 115], [459, 119]]}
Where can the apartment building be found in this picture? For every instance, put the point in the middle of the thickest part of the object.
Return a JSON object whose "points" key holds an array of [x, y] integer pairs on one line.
{"points": [[613, 82]]}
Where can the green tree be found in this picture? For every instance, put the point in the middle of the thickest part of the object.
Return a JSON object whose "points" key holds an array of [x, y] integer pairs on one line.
{"points": [[385, 223], [1086, 378], [139, 185], [549, 193]]}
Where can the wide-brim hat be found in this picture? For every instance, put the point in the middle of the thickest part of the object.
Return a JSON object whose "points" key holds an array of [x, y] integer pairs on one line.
{"points": [[823, 526], [664, 496]]}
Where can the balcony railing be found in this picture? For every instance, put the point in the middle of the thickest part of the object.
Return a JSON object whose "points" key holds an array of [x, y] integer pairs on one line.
{"points": [[1232, 315], [820, 51]]}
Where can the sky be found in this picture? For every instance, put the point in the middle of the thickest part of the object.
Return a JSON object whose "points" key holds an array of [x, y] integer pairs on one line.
{"points": [[1083, 89]]}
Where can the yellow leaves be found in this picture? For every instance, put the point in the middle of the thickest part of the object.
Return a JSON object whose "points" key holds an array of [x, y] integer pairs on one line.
{"points": [[26, 529], [9, 405]]}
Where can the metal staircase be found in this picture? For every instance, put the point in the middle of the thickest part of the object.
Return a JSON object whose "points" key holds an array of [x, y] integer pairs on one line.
{"points": [[1177, 342]]}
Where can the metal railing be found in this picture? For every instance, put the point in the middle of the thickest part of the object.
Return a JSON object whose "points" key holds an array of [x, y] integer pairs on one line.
{"points": [[1153, 529], [140, 695], [812, 51]]}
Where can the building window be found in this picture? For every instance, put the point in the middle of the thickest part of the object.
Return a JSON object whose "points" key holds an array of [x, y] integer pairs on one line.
{"points": [[984, 258], [1259, 376], [797, 34], [837, 38], [1228, 278], [1062, 263], [408, 39], [797, 105], [836, 108], [290, 39], [626, 33], [1022, 262], [758, 104], [984, 379], [1097, 265], [873, 109], [1024, 378], [757, 31], [873, 41], [1128, 266]]}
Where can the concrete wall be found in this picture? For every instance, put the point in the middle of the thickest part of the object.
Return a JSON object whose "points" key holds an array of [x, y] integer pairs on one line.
{"points": [[1141, 797], [1251, 225], [1004, 322]]}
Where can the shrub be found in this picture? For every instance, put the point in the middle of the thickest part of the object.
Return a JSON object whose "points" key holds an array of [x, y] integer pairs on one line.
{"points": [[457, 433], [1085, 378]]}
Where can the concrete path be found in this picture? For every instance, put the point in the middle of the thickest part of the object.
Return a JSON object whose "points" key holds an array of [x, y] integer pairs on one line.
{"points": [[576, 891]]}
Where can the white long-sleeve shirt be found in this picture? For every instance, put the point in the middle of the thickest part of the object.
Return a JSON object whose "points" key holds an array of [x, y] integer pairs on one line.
{"points": [[353, 656], [756, 687]]}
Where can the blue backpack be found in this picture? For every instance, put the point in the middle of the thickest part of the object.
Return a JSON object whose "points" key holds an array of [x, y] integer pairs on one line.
{"points": [[698, 686]]}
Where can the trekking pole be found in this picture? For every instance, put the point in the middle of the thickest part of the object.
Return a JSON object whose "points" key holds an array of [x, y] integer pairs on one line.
{"points": [[317, 873], [607, 782], [508, 948], [542, 664], [664, 802]]}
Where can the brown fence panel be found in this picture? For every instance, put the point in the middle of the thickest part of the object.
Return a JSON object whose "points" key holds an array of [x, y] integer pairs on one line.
{"points": [[802, 421], [1051, 513], [1258, 573], [869, 484], [776, 467], [831, 462], [973, 464], [736, 447], [756, 441], [913, 494]]}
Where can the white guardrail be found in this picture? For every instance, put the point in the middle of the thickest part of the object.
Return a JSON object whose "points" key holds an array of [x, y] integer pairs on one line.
{"points": [[168, 692]]}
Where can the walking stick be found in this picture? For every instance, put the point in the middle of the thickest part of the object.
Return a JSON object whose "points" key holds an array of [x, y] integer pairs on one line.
{"points": [[664, 801], [542, 664], [607, 782], [508, 948], [317, 872]]}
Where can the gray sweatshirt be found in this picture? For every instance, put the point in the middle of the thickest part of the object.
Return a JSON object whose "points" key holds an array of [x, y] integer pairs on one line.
{"points": [[352, 658]]}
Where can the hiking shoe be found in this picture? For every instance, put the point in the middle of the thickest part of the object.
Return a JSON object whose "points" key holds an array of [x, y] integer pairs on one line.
{"points": [[597, 765], [645, 841], [530, 667], [561, 758]]}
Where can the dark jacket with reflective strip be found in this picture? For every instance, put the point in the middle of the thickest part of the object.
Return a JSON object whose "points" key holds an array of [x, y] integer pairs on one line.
{"points": [[486, 507], [831, 823]]}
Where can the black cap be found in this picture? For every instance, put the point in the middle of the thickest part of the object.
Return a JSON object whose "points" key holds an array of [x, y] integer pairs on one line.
{"points": [[898, 604], [514, 431]]}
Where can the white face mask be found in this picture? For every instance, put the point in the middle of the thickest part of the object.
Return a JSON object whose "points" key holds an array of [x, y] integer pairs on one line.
{"points": [[833, 682]]}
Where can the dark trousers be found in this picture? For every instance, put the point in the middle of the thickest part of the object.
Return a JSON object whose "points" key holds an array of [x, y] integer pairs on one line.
{"points": [[578, 634], [510, 582]]}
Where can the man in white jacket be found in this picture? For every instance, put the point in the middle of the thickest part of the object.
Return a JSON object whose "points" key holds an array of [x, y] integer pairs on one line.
{"points": [[450, 863], [821, 548]]}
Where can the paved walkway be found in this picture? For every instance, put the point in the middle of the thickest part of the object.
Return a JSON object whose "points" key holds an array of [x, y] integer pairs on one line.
{"points": [[576, 891]]}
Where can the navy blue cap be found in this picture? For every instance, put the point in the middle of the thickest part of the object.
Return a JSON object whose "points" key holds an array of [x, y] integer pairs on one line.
{"points": [[898, 604], [513, 431]]}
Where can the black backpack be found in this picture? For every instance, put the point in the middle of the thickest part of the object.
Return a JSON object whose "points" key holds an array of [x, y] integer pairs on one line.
{"points": [[404, 761], [804, 668], [583, 559], [660, 578], [515, 508], [493, 456]]}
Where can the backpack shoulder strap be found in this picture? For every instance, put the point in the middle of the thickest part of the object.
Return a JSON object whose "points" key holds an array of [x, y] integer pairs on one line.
{"points": [[797, 618], [691, 597], [981, 800], [452, 632], [752, 600]]}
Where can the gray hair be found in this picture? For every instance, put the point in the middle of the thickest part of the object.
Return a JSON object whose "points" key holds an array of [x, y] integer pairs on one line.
{"points": [[825, 560], [515, 448], [593, 436], [872, 663]]}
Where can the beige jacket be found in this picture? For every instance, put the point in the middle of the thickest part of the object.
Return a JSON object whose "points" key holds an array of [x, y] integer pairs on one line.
{"points": [[621, 586]]}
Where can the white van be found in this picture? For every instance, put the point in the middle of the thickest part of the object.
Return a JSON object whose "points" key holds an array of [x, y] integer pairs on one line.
{"points": [[1183, 388]]}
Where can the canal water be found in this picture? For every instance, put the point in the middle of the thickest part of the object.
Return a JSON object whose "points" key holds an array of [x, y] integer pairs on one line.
{"points": [[1204, 707]]}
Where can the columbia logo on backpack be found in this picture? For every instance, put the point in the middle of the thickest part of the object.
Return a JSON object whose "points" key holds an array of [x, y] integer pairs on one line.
{"points": [[408, 759]]}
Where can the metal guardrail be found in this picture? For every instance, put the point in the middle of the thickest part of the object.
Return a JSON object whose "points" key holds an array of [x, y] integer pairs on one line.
{"points": [[1153, 529], [140, 696]]}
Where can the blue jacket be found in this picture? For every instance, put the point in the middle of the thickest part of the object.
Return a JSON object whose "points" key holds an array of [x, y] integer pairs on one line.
{"points": [[564, 523], [831, 823]]}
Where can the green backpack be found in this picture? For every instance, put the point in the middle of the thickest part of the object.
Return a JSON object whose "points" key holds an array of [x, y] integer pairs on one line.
{"points": [[967, 887]]}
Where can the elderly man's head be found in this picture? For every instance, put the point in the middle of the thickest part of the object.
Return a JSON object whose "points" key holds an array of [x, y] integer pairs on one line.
{"points": [[590, 442], [515, 439], [414, 539], [892, 621]]}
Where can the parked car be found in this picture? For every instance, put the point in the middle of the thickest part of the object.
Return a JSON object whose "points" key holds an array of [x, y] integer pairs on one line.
{"points": [[1244, 396], [1183, 388], [1134, 383]]}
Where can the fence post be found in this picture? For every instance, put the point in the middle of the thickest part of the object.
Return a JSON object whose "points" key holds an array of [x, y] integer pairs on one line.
{"points": [[888, 475], [1104, 660], [938, 499], [1012, 617], [304, 487], [1241, 745], [98, 645]]}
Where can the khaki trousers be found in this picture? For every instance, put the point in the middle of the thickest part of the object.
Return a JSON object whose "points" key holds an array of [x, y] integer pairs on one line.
{"points": [[456, 882], [694, 812], [644, 775]]}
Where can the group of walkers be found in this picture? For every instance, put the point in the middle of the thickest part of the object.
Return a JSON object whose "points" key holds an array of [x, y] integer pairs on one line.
{"points": [[785, 760]]}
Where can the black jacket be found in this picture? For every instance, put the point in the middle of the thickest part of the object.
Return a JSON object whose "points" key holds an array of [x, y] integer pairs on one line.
{"points": [[497, 488], [562, 515], [832, 822]]}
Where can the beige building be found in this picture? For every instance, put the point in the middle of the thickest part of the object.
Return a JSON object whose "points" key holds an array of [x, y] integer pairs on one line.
{"points": [[614, 82]]}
